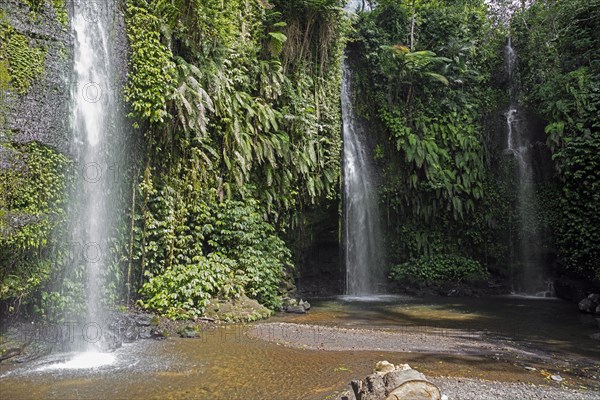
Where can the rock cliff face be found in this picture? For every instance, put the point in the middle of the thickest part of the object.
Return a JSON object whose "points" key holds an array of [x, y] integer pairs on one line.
{"points": [[40, 114], [37, 174]]}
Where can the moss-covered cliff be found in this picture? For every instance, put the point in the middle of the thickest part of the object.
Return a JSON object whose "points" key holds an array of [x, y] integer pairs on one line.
{"points": [[34, 113]]}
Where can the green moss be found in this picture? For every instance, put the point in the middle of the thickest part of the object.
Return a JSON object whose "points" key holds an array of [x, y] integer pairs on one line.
{"points": [[61, 12], [23, 63], [151, 69], [32, 191], [34, 5]]}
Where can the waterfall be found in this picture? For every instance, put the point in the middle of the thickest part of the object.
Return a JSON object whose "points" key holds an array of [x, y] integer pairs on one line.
{"points": [[93, 122], [528, 278], [362, 231]]}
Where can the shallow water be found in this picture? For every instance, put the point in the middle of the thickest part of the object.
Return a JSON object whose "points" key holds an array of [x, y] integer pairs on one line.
{"points": [[546, 323], [226, 363]]}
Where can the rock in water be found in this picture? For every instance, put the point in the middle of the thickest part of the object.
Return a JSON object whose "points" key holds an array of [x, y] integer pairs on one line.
{"points": [[305, 304], [556, 378], [590, 303], [295, 309], [188, 332]]}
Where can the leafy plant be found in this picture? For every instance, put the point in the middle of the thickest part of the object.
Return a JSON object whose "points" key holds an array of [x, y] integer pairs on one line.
{"points": [[25, 62], [439, 268]]}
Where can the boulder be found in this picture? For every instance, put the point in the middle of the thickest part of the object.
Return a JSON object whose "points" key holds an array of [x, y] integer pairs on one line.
{"points": [[390, 382], [295, 309], [571, 289], [590, 303], [144, 319], [131, 334], [305, 304], [188, 332]]}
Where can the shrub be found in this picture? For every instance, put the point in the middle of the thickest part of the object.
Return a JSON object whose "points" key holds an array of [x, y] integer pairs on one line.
{"points": [[234, 252], [439, 268]]}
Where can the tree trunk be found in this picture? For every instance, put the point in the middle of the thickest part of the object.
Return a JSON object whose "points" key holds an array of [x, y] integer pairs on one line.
{"points": [[400, 384]]}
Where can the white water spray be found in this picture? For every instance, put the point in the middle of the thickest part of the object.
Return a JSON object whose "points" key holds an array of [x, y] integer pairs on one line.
{"points": [[362, 230], [528, 279], [93, 112]]}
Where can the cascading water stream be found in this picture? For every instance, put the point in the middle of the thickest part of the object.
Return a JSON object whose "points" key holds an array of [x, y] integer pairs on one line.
{"points": [[529, 277], [362, 231], [93, 116]]}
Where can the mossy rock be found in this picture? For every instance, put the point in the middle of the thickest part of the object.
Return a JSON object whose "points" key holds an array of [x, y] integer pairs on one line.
{"points": [[242, 309]]}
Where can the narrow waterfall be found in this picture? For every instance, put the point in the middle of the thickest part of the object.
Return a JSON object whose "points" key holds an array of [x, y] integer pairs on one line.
{"points": [[93, 119], [528, 273], [362, 231]]}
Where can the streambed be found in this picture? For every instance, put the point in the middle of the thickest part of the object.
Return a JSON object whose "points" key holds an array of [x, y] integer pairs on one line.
{"points": [[234, 362]]}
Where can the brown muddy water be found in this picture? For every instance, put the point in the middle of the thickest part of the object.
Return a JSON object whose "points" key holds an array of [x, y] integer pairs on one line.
{"points": [[227, 363]]}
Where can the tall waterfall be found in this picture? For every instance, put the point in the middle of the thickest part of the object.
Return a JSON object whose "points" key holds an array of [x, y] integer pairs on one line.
{"points": [[93, 121], [362, 231], [528, 273]]}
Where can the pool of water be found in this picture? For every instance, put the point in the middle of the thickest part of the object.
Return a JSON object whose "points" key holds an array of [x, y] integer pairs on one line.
{"points": [[226, 363], [546, 323]]}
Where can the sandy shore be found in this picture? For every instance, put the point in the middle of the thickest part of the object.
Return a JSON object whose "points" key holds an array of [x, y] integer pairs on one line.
{"points": [[529, 370]]}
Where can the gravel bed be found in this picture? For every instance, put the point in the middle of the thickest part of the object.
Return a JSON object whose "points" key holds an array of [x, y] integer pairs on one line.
{"points": [[476, 389]]}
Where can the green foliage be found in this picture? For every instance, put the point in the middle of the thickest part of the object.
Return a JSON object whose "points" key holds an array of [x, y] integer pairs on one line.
{"points": [[559, 50], [151, 68], [428, 89], [233, 111], [31, 208], [578, 229], [207, 250], [61, 12], [34, 5], [249, 110], [23, 62], [437, 269]]}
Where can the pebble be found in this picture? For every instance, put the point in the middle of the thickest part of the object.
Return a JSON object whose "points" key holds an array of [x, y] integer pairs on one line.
{"points": [[556, 378]]}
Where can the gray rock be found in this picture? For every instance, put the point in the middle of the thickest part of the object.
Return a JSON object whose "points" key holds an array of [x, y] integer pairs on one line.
{"points": [[143, 319], [188, 332], [42, 114], [305, 304], [295, 309], [131, 334], [587, 305]]}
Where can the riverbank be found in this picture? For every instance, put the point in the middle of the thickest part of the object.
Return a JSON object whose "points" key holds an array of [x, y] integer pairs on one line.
{"points": [[471, 350], [456, 353]]}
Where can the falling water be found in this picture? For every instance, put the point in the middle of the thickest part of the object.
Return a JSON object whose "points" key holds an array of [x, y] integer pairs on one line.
{"points": [[93, 118], [529, 276], [362, 232]]}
